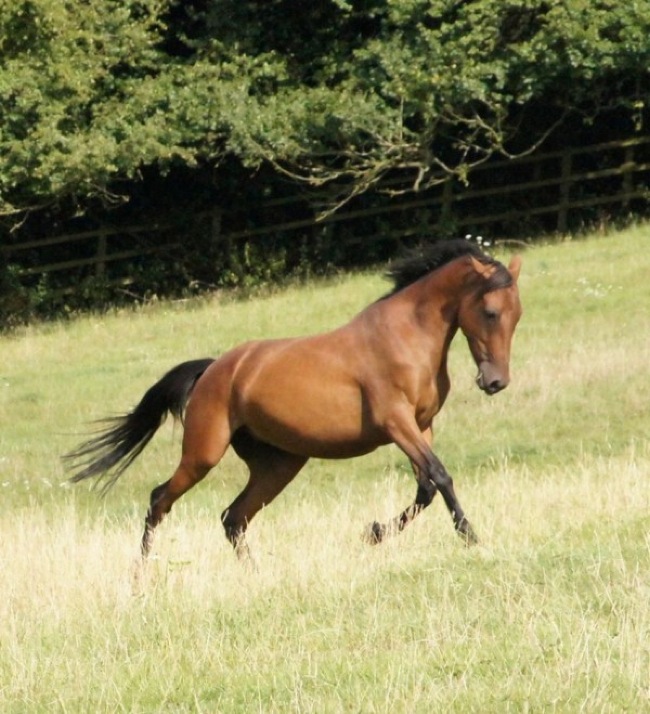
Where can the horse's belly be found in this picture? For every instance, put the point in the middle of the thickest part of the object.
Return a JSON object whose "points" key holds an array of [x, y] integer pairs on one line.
{"points": [[327, 434], [321, 418]]}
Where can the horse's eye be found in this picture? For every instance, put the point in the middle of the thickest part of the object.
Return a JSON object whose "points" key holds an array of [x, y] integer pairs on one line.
{"points": [[491, 315]]}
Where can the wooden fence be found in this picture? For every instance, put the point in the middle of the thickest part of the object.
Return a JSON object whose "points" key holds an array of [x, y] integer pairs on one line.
{"points": [[552, 185], [100, 256]]}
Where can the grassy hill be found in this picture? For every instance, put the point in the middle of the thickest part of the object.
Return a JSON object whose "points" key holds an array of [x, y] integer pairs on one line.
{"points": [[549, 613]]}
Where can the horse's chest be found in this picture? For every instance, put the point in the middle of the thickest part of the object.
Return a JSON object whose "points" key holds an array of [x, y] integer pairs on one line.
{"points": [[425, 411], [431, 398]]}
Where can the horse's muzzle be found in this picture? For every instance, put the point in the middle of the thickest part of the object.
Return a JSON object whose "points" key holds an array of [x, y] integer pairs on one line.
{"points": [[490, 379]]}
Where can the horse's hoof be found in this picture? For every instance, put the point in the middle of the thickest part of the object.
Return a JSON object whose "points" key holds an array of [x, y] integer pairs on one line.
{"points": [[469, 536], [374, 533]]}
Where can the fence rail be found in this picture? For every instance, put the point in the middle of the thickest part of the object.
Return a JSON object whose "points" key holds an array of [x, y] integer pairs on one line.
{"points": [[569, 177]]}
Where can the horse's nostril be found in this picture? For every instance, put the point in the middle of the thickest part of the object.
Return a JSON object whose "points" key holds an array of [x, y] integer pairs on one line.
{"points": [[496, 385]]}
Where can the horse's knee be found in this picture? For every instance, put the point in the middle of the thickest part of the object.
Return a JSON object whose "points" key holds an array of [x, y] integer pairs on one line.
{"points": [[159, 505], [157, 493], [233, 527], [426, 491]]}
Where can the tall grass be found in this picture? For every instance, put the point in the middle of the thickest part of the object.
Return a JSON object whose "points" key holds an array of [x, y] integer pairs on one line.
{"points": [[549, 613]]}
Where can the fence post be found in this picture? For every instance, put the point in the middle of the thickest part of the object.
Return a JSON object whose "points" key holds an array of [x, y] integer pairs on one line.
{"points": [[565, 189], [215, 225], [626, 168], [100, 266], [447, 200]]}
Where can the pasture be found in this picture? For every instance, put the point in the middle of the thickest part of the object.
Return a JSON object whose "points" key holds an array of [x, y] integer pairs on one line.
{"points": [[549, 613]]}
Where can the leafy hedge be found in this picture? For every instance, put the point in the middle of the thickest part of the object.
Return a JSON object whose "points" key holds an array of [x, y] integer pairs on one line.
{"points": [[95, 93], [123, 111]]}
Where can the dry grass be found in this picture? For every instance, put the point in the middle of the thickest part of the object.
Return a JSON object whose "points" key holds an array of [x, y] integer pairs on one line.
{"points": [[549, 612]]}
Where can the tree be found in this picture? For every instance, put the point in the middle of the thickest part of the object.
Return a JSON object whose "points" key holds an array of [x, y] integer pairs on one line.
{"points": [[435, 87], [341, 91]]}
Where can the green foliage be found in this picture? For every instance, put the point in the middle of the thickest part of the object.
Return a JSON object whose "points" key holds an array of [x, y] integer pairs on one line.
{"points": [[61, 66], [93, 93]]}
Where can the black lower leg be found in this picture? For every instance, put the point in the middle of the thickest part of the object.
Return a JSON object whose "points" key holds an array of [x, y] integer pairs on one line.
{"points": [[153, 518], [461, 524], [235, 533], [378, 531]]}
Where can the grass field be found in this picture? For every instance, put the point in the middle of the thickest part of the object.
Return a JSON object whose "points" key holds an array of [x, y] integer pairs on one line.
{"points": [[550, 613]]}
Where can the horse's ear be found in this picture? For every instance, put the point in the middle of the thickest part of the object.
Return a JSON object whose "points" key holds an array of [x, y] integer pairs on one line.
{"points": [[481, 268], [515, 267]]}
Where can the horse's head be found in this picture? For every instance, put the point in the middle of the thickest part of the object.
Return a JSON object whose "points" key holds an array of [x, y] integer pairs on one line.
{"points": [[488, 316]]}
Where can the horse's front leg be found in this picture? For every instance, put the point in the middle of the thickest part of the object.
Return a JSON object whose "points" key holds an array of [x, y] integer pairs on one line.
{"points": [[431, 477], [377, 532], [445, 485]]}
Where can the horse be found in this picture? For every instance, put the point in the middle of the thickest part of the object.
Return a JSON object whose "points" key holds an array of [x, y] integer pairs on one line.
{"points": [[379, 379]]}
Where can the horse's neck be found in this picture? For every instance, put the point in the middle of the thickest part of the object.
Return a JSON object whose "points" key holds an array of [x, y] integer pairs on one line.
{"points": [[436, 299], [423, 315]]}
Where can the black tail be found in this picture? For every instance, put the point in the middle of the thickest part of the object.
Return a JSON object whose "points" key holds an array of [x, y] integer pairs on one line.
{"points": [[112, 451]]}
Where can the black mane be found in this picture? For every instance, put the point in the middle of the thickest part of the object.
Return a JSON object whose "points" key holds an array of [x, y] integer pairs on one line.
{"points": [[422, 261]]}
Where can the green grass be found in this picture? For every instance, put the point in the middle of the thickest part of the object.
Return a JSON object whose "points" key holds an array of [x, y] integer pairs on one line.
{"points": [[549, 613]]}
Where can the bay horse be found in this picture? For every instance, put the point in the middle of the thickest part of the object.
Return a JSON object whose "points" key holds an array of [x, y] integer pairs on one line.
{"points": [[379, 379]]}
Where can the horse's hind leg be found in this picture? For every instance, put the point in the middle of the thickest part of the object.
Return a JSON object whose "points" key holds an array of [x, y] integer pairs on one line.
{"points": [[271, 469], [205, 440], [164, 496]]}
